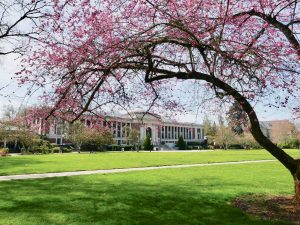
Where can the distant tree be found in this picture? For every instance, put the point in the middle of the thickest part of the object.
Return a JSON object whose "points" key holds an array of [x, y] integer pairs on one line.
{"points": [[181, 145], [147, 143], [9, 112], [14, 129], [214, 129], [247, 141], [210, 129], [96, 137], [76, 134], [206, 125], [237, 118], [224, 137], [134, 137]]}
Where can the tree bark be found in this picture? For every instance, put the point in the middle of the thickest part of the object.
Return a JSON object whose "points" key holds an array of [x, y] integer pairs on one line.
{"points": [[296, 177]]}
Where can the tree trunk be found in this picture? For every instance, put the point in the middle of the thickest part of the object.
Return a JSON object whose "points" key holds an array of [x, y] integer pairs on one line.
{"points": [[297, 189], [296, 177]]}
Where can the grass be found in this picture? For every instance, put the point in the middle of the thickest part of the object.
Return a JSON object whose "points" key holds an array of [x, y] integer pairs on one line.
{"points": [[111, 160], [199, 195]]}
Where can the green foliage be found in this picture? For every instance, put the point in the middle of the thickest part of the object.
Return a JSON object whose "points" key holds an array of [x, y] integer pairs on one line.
{"points": [[88, 139], [289, 143], [237, 118], [120, 147], [40, 146], [147, 143], [114, 147], [127, 147], [210, 129], [181, 145], [4, 151], [235, 146], [55, 149]]}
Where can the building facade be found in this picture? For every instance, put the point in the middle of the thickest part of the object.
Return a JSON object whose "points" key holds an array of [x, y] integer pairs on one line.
{"points": [[161, 131], [277, 130]]}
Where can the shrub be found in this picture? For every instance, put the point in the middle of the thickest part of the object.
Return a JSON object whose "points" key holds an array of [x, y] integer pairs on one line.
{"points": [[55, 149], [197, 145], [40, 147], [181, 145], [290, 142], [127, 147], [66, 149], [147, 143], [235, 146], [4, 151], [114, 147]]}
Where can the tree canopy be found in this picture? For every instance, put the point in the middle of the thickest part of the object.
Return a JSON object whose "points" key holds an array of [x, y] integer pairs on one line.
{"points": [[94, 53]]}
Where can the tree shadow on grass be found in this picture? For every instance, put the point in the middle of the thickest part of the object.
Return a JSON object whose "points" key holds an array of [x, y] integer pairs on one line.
{"points": [[112, 200]]}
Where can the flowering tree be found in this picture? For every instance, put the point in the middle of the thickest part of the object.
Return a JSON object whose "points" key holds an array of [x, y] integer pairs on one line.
{"points": [[79, 135], [100, 52], [18, 21]]}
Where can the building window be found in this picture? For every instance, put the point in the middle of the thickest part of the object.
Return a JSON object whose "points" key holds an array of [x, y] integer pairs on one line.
{"points": [[58, 130], [166, 132], [124, 130], [58, 141], [172, 132], [118, 130]]}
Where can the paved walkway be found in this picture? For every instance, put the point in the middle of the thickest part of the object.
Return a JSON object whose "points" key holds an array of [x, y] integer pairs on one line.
{"points": [[88, 172]]}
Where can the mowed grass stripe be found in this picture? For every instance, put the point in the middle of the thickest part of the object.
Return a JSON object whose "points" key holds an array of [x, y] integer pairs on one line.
{"points": [[117, 160]]}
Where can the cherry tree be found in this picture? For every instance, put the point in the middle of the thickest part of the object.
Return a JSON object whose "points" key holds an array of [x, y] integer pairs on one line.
{"points": [[95, 53], [18, 20]]}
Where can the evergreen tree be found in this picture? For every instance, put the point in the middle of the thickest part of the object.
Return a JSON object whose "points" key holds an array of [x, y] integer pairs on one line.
{"points": [[237, 118], [214, 129], [147, 143], [181, 143]]}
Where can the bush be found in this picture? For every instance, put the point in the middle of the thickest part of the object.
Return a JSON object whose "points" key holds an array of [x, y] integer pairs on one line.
{"points": [[114, 147], [4, 151], [55, 149], [181, 145], [40, 147], [290, 142], [197, 145], [66, 149], [147, 143], [236, 146], [127, 147]]}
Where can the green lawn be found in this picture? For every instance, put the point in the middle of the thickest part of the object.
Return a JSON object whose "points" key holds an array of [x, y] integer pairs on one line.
{"points": [[200, 195], [110, 160]]}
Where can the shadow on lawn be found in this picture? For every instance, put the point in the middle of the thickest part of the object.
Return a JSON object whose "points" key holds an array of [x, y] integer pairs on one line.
{"points": [[97, 200]]}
